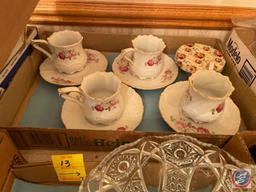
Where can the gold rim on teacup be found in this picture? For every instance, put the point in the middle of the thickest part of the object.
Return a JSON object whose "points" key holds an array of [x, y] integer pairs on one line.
{"points": [[204, 100], [220, 76]]}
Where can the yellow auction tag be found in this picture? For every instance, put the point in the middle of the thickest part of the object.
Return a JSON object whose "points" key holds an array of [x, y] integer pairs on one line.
{"points": [[69, 167]]}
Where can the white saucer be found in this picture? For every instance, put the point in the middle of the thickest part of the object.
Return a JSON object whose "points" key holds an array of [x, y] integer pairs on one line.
{"points": [[96, 62], [169, 106], [73, 117], [167, 76]]}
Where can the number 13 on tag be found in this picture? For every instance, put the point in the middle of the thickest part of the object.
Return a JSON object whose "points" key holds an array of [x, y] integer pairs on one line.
{"points": [[69, 167]]}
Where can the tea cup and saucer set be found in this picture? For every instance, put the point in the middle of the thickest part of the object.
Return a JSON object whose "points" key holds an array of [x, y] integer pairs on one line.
{"points": [[101, 102], [145, 66], [68, 62], [201, 105]]}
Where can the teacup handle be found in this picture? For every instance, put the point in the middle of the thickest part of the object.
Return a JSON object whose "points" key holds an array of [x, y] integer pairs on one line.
{"points": [[65, 94], [35, 43], [124, 53]]}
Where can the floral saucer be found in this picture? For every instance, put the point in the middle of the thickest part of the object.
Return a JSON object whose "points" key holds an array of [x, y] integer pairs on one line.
{"points": [[73, 118], [169, 106], [96, 62], [167, 76]]}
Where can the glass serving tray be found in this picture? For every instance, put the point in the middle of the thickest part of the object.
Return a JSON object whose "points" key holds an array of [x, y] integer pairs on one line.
{"points": [[170, 164]]}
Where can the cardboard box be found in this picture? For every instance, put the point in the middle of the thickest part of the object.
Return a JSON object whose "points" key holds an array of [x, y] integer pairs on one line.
{"points": [[16, 97], [22, 88], [242, 142], [241, 47], [14, 101], [243, 95], [9, 155]]}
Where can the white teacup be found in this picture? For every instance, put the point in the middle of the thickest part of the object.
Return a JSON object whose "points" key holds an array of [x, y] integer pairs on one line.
{"points": [[99, 97], [67, 54], [204, 101], [147, 60]]}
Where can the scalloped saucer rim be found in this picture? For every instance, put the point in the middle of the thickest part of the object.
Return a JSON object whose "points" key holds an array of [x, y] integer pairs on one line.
{"points": [[97, 62], [73, 118], [167, 76], [169, 106]]}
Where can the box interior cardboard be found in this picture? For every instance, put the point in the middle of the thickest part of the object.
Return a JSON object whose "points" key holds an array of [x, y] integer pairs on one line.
{"points": [[47, 176], [15, 99], [243, 142], [11, 25], [240, 143], [243, 95], [40, 138], [9, 155], [13, 102], [248, 36]]}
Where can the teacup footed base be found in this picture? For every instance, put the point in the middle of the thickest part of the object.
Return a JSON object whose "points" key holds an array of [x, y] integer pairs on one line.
{"points": [[76, 71], [101, 123], [167, 75], [149, 78], [105, 123], [170, 109], [195, 121], [73, 117]]}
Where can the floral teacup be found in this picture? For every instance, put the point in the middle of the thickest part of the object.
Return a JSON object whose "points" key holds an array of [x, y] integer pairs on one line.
{"points": [[147, 58], [67, 54], [204, 100], [99, 96]]}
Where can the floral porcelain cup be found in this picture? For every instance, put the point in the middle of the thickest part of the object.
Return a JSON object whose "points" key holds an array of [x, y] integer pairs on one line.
{"points": [[99, 96], [147, 58], [204, 100], [67, 54]]}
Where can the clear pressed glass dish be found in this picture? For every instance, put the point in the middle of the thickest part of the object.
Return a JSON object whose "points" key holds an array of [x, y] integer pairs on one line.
{"points": [[175, 163]]}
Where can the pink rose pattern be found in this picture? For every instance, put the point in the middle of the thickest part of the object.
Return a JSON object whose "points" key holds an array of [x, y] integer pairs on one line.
{"points": [[190, 44], [181, 56], [187, 127], [68, 54], [191, 52], [168, 74], [61, 80], [219, 108], [124, 128], [108, 106], [188, 95], [123, 66], [154, 61], [92, 57]]}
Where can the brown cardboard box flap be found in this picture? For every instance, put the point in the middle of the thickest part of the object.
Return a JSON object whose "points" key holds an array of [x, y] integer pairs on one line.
{"points": [[14, 16], [8, 155], [239, 144]]}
